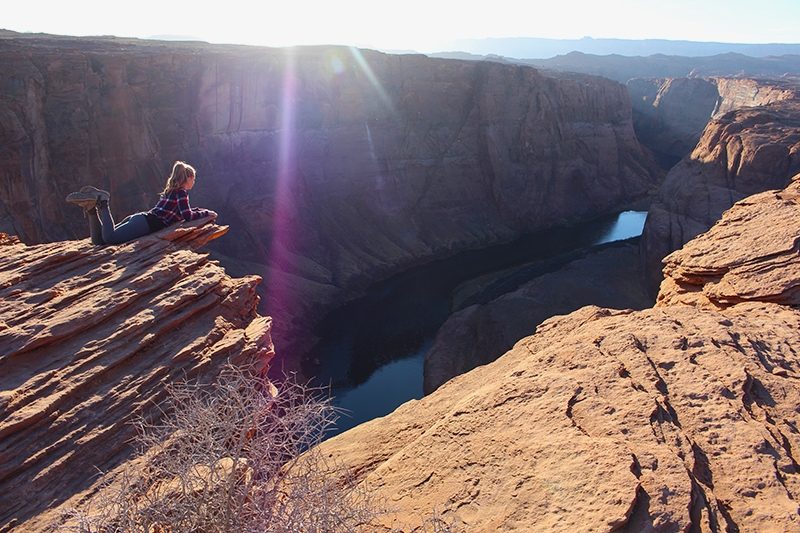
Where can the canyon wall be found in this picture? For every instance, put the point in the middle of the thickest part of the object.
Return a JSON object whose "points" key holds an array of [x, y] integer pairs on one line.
{"points": [[90, 339], [682, 417], [669, 114], [478, 334], [740, 153], [334, 167]]}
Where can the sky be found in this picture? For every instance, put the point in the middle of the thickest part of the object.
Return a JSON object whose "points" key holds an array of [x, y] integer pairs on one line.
{"points": [[420, 25]]}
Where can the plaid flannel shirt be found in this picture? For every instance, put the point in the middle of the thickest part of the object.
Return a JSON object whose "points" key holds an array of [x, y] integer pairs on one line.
{"points": [[174, 208]]}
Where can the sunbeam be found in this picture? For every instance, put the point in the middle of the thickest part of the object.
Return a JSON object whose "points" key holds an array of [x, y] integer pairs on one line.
{"points": [[371, 77], [278, 288]]}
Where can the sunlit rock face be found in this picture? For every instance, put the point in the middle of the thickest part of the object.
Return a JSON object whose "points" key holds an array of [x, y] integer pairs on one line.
{"points": [[669, 114], [333, 167], [681, 417], [740, 153], [90, 337]]}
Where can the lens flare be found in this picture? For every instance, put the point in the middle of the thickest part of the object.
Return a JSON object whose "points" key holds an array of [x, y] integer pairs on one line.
{"points": [[278, 289], [366, 69]]}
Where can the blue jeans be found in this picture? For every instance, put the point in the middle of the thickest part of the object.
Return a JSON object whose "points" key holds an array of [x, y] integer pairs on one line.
{"points": [[103, 230]]}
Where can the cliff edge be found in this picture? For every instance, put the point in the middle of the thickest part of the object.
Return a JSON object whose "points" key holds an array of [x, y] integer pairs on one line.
{"points": [[682, 417], [741, 153], [89, 338]]}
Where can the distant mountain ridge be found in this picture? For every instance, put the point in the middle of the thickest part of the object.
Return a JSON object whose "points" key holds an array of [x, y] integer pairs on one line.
{"points": [[536, 48], [623, 68]]}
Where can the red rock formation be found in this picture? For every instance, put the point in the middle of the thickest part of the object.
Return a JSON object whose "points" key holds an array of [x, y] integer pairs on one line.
{"points": [[740, 153], [682, 417], [90, 336], [742, 92], [716, 271], [334, 167], [669, 114]]}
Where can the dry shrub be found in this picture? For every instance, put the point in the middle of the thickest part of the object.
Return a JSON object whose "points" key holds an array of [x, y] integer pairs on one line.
{"points": [[233, 456]]}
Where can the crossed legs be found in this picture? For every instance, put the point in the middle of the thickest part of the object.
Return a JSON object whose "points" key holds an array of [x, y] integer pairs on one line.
{"points": [[102, 228]]}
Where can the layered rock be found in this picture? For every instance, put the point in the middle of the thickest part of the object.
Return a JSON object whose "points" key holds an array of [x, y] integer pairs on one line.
{"points": [[89, 339], [741, 153], [681, 417], [669, 114], [714, 271], [334, 167], [478, 334], [745, 92]]}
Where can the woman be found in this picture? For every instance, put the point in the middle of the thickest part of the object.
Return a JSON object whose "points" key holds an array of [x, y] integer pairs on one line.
{"points": [[172, 207]]}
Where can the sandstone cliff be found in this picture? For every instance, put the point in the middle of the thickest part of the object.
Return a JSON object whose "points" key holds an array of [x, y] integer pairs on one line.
{"points": [[682, 417], [740, 153], [669, 114], [334, 167], [89, 338]]}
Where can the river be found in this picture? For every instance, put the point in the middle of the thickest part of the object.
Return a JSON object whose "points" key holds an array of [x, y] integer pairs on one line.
{"points": [[371, 350]]}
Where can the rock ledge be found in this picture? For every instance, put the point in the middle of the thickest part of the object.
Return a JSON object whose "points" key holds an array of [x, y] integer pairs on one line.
{"points": [[90, 336]]}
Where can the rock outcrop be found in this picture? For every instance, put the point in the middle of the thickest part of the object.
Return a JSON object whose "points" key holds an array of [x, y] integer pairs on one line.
{"points": [[334, 167], [741, 153], [89, 339], [479, 334], [670, 114], [715, 270], [681, 417]]}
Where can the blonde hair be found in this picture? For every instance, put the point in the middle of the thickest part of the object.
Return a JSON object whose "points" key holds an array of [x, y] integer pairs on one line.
{"points": [[181, 172]]}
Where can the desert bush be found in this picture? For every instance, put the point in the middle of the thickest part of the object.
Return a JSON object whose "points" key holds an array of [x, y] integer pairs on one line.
{"points": [[236, 455]]}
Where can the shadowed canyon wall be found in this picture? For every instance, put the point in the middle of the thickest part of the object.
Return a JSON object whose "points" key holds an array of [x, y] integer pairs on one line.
{"points": [[669, 114], [740, 153], [333, 167]]}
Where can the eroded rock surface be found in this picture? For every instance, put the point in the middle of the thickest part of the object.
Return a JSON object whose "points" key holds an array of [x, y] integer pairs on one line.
{"points": [[681, 417], [741, 153], [716, 270], [89, 338]]}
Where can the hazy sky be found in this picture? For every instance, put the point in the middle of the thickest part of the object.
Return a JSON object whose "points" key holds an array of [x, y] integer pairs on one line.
{"points": [[411, 24]]}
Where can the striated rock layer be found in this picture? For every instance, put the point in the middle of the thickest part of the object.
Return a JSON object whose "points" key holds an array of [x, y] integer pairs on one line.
{"points": [[670, 114], [682, 417], [740, 153], [750, 256], [334, 167], [89, 338]]}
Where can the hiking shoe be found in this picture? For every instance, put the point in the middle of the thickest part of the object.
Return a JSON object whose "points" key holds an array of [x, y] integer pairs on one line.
{"points": [[88, 197]]}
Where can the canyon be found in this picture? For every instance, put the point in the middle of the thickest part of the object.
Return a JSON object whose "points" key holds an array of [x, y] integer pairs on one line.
{"points": [[751, 146], [333, 167], [678, 417], [681, 417], [742, 152], [670, 114]]}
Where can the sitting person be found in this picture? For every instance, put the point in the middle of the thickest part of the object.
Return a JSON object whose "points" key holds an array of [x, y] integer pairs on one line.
{"points": [[172, 208]]}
